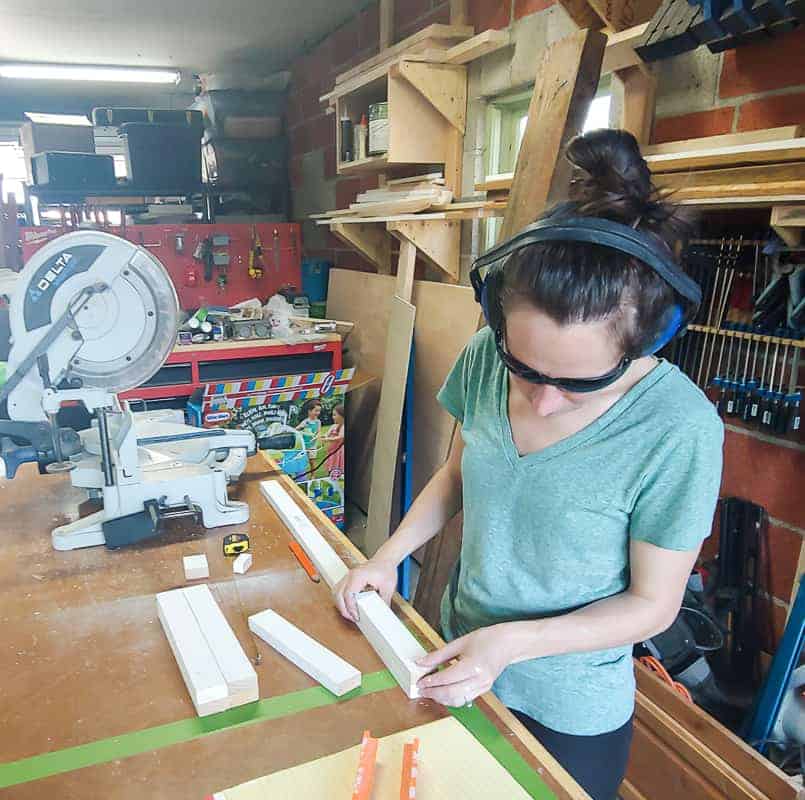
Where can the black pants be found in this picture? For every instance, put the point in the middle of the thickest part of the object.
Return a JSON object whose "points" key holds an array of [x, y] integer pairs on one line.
{"points": [[597, 763]]}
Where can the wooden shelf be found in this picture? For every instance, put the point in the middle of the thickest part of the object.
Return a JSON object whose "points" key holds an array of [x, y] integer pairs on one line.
{"points": [[370, 164], [755, 337]]}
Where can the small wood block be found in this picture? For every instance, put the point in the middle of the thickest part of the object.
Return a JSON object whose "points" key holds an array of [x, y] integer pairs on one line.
{"points": [[392, 641], [327, 561], [323, 665], [201, 673], [238, 672], [242, 564], [196, 567]]}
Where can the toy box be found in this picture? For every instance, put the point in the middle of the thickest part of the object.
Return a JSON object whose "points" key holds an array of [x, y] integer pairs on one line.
{"points": [[297, 419]]}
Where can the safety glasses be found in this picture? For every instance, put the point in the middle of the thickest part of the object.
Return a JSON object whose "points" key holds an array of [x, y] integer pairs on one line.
{"points": [[571, 385]]}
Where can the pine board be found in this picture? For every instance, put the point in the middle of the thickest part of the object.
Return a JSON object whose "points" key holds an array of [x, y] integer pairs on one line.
{"points": [[453, 764]]}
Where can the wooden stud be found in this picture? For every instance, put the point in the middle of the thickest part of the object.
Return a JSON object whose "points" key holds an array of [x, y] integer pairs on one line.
{"points": [[390, 409], [567, 78], [620, 49], [439, 242], [327, 561], [392, 641], [238, 672], [618, 15], [196, 567], [639, 88], [767, 180], [459, 15], [201, 673], [369, 240], [323, 665], [443, 85], [386, 24]]}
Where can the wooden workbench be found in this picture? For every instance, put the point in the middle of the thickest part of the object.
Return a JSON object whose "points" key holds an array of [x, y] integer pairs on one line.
{"points": [[84, 657]]}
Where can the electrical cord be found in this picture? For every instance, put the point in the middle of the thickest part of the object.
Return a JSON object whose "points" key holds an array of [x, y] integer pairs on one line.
{"points": [[655, 666], [321, 463], [712, 625]]}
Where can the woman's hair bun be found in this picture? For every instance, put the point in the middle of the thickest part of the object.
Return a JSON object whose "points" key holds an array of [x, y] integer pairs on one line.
{"points": [[612, 180]]}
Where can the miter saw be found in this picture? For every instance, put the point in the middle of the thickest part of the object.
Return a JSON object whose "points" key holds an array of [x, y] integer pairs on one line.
{"points": [[93, 315]]}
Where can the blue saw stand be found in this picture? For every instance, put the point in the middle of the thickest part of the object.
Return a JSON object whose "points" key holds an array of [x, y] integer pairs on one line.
{"points": [[767, 707]]}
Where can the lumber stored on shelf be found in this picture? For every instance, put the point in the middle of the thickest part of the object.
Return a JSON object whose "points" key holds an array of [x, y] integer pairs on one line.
{"points": [[725, 140], [774, 152], [323, 665]]}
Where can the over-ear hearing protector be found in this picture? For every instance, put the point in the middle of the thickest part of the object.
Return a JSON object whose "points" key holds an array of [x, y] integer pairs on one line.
{"points": [[487, 271]]}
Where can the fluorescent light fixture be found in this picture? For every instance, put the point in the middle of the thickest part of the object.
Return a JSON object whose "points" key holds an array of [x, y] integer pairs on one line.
{"points": [[58, 119], [77, 72]]}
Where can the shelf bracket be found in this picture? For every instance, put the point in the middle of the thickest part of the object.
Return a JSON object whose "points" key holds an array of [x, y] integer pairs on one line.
{"points": [[369, 240], [788, 222], [444, 86], [438, 241]]}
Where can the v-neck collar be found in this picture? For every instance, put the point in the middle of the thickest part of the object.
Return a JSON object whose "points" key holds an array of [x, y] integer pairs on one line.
{"points": [[581, 436]]}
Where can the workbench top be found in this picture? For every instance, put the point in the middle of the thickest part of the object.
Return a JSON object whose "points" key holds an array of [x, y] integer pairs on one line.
{"points": [[240, 344], [84, 658]]}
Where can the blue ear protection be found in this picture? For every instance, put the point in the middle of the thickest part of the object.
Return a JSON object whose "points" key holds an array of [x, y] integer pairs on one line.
{"points": [[487, 271]]}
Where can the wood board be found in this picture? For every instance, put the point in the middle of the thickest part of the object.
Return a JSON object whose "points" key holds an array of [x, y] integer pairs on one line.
{"points": [[446, 320], [312, 657], [734, 155], [453, 764], [725, 140], [400, 335]]}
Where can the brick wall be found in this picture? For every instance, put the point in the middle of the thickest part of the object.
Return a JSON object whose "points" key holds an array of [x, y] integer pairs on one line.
{"points": [[760, 86]]}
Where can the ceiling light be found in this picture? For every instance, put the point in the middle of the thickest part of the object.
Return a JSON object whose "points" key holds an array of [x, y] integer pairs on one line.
{"points": [[77, 72]]}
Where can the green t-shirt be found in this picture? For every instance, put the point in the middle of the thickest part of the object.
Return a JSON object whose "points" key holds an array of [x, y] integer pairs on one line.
{"points": [[548, 532]]}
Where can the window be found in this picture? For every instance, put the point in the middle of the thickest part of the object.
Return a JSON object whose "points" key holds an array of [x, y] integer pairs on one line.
{"points": [[505, 124]]}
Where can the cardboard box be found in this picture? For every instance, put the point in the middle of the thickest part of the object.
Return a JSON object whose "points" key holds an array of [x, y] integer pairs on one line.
{"points": [[38, 137]]}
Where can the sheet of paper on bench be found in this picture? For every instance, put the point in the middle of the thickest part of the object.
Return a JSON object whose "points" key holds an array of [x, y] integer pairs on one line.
{"points": [[327, 561], [392, 641], [241, 679], [323, 665], [202, 676]]}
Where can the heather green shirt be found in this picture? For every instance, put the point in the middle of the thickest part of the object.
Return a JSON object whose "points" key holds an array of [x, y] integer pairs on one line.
{"points": [[548, 532]]}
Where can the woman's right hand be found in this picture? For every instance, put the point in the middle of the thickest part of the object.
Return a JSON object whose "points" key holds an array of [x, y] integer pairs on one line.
{"points": [[378, 575]]}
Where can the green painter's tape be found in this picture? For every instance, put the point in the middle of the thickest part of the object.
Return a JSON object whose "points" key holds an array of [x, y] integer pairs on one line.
{"points": [[484, 730], [131, 744]]}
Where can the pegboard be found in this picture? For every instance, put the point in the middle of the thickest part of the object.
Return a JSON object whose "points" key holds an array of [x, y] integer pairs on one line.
{"points": [[174, 246]]}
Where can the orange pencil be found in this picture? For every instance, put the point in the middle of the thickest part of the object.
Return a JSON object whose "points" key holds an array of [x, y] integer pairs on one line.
{"points": [[305, 562]]}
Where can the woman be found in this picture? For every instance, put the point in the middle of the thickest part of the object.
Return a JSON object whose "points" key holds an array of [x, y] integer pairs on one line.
{"points": [[584, 510]]}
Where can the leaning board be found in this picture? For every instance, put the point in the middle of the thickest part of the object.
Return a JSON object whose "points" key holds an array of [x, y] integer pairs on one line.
{"points": [[452, 764]]}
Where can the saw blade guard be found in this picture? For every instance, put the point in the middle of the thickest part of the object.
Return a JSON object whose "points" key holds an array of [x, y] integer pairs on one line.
{"points": [[119, 336]]}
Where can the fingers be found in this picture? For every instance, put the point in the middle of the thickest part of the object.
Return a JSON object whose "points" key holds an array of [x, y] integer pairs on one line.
{"points": [[442, 655], [387, 593], [458, 672], [338, 597], [351, 602], [455, 695]]}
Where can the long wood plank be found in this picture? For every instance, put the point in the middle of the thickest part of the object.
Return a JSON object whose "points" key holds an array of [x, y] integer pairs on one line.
{"points": [[392, 641], [725, 140], [731, 156], [312, 657], [567, 77], [327, 562], [238, 672], [202, 676]]}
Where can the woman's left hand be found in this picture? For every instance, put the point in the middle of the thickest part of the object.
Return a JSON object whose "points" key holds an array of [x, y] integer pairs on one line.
{"points": [[482, 655]]}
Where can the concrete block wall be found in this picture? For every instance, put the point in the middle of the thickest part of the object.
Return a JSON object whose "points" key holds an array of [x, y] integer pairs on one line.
{"points": [[699, 94]]}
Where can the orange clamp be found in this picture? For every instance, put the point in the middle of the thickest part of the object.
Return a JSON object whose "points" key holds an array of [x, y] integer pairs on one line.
{"points": [[410, 767], [362, 790]]}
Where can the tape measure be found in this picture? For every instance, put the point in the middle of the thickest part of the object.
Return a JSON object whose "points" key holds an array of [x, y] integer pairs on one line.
{"points": [[235, 544]]}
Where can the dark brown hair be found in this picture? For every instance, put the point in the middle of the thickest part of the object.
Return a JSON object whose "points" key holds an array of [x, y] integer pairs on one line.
{"points": [[577, 282]]}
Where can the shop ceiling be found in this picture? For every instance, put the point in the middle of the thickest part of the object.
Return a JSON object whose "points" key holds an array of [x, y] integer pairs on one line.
{"points": [[191, 35]]}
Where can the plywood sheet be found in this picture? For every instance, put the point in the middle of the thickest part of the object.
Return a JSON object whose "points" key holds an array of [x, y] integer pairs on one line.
{"points": [[452, 764], [447, 317]]}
